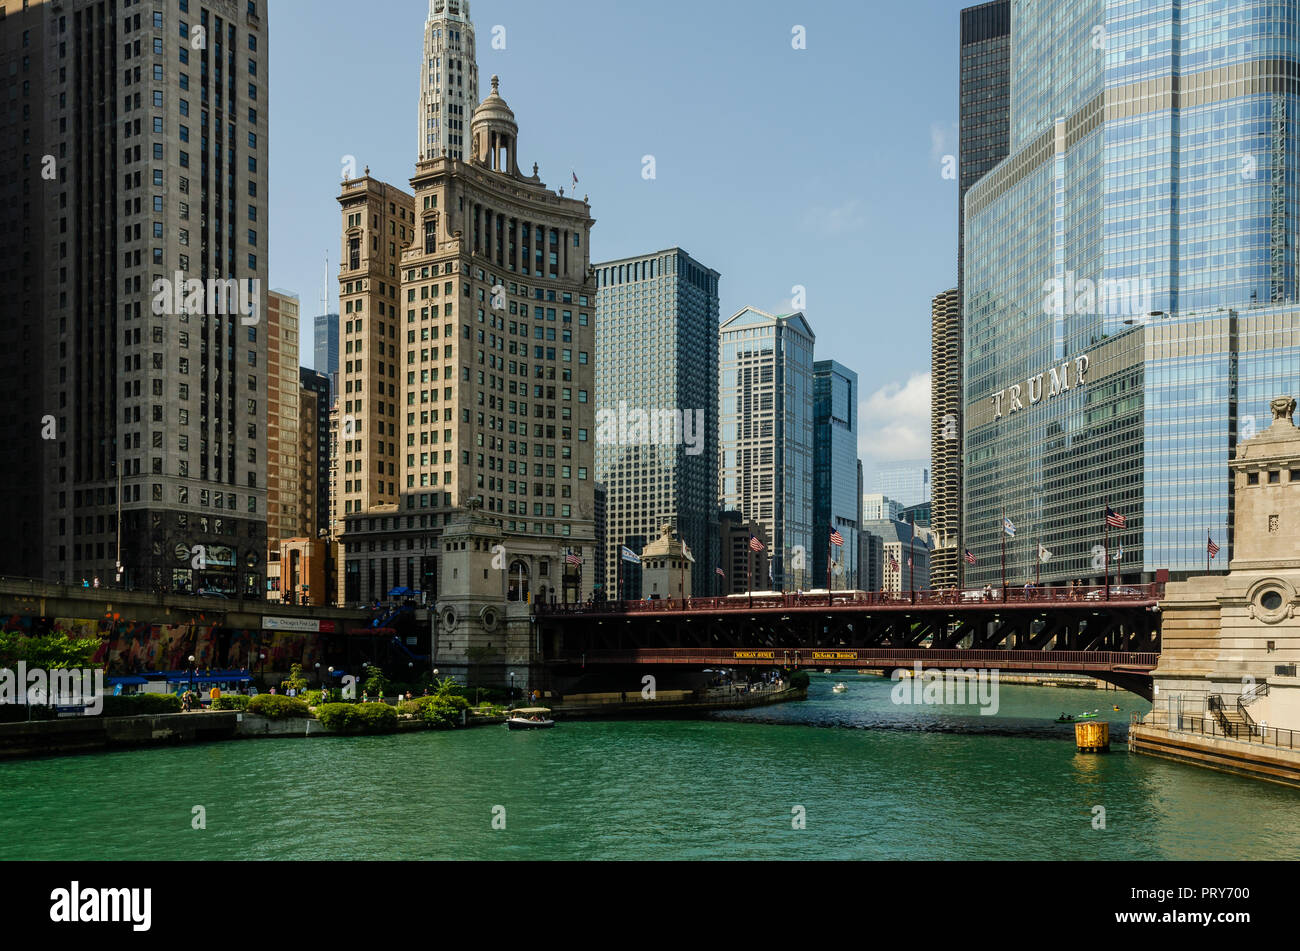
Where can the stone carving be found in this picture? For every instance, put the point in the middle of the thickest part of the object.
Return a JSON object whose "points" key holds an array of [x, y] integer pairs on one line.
{"points": [[1273, 524], [1283, 408]]}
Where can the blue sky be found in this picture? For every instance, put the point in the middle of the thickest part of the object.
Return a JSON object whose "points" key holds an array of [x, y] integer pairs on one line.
{"points": [[778, 167]]}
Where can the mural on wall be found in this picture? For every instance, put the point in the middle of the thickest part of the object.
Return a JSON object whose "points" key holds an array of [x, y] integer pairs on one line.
{"points": [[134, 647]]}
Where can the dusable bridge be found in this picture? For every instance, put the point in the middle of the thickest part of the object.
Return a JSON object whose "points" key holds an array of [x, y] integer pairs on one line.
{"points": [[1112, 634]]}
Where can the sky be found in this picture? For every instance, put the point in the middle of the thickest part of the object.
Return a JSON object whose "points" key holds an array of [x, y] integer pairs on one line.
{"points": [[818, 168]]}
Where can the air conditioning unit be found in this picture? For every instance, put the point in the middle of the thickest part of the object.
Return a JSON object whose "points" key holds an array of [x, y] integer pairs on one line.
{"points": [[1284, 670]]}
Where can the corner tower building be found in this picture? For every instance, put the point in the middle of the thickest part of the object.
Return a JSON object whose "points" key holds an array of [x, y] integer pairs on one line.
{"points": [[448, 80]]}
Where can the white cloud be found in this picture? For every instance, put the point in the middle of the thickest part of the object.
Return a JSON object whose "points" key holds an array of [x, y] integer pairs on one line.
{"points": [[894, 422]]}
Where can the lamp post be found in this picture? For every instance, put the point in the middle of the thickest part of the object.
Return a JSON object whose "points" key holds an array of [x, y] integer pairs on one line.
{"points": [[331, 686], [318, 677], [261, 667], [192, 673], [512, 686]]}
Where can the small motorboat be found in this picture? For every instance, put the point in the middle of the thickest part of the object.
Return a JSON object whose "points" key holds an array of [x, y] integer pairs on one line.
{"points": [[839, 688], [530, 718], [1087, 716], [826, 671]]}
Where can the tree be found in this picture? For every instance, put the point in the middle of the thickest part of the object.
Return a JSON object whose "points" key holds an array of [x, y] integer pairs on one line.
{"points": [[376, 683], [296, 682], [57, 651]]}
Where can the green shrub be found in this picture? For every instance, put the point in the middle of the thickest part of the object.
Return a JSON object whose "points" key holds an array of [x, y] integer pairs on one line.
{"points": [[310, 697], [440, 711], [356, 718], [234, 701], [276, 706], [141, 704], [799, 680]]}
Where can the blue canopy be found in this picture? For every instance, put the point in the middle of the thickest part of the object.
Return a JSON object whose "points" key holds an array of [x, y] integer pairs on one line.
{"points": [[400, 591], [132, 681]]}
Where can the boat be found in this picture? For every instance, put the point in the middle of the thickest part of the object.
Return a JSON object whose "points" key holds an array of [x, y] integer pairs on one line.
{"points": [[530, 718], [839, 688], [1065, 718], [1116, 708], [826, 671], [1087, 716]]}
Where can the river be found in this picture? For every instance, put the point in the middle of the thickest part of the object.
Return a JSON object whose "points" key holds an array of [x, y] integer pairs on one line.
{"points": [[865, 777]]}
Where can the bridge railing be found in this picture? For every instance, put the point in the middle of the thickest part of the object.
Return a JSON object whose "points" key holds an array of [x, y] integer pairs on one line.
{"points": [[1118, 661], [958, 598]]}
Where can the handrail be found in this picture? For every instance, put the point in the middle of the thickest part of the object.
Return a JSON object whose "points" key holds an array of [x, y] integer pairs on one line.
{"points": [[1221, 715], [1254, 693]]}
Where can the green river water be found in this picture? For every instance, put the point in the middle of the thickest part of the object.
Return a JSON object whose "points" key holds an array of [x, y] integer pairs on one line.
{"points": [[875, 780]]}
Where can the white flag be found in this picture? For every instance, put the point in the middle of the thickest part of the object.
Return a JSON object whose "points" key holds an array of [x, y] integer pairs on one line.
{"points": [[1043, 554]]}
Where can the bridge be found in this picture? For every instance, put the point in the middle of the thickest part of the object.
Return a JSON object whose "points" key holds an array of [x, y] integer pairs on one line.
{"points": [[1112, 634]]}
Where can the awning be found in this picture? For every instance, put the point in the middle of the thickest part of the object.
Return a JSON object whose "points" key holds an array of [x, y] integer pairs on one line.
{"points": [[372, 631], [125, 681]]}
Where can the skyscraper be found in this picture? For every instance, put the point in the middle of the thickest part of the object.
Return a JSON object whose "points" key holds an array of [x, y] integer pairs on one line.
{"points": [[1130, 327], [326, 357], [468, 377], [657, 353], [766, 429], [317, 508], [448, 80], [136, 160], [284, 476], [945, 436], [836, 497], [985, 114], [907, 483]]}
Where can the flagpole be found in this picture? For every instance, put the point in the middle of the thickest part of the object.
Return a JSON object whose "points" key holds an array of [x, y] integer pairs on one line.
{"points": [[1207, 551], [1038, 561], [1106, 543], [1004, 553], [618, 584], [911, 549], [828, 562]]}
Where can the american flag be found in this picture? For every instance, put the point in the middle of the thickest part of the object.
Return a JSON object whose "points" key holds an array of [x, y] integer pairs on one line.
{"points": [[720, 572], [970, 557], [572, 559], [1212, 548], [755, 544], [836, 537], [1114, 519], [893, 562]]}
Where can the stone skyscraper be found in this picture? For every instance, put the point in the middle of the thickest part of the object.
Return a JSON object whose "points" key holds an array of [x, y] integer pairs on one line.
{"points": [[657, 352], [467, 378], [448, 81], [135, 161]]}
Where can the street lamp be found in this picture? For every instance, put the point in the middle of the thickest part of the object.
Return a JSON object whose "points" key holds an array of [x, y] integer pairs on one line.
{"points": [[331, 686], [321, 682], [512, 686], [192, 673]]}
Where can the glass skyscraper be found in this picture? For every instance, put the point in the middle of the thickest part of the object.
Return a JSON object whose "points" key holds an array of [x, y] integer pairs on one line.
{"points": [[1130, 283], [326, 356], [836, 499], [766, 436], [657, 354]]}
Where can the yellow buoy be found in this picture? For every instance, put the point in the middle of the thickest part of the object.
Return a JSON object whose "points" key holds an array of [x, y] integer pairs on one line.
{"points": [[1092, 737]]}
